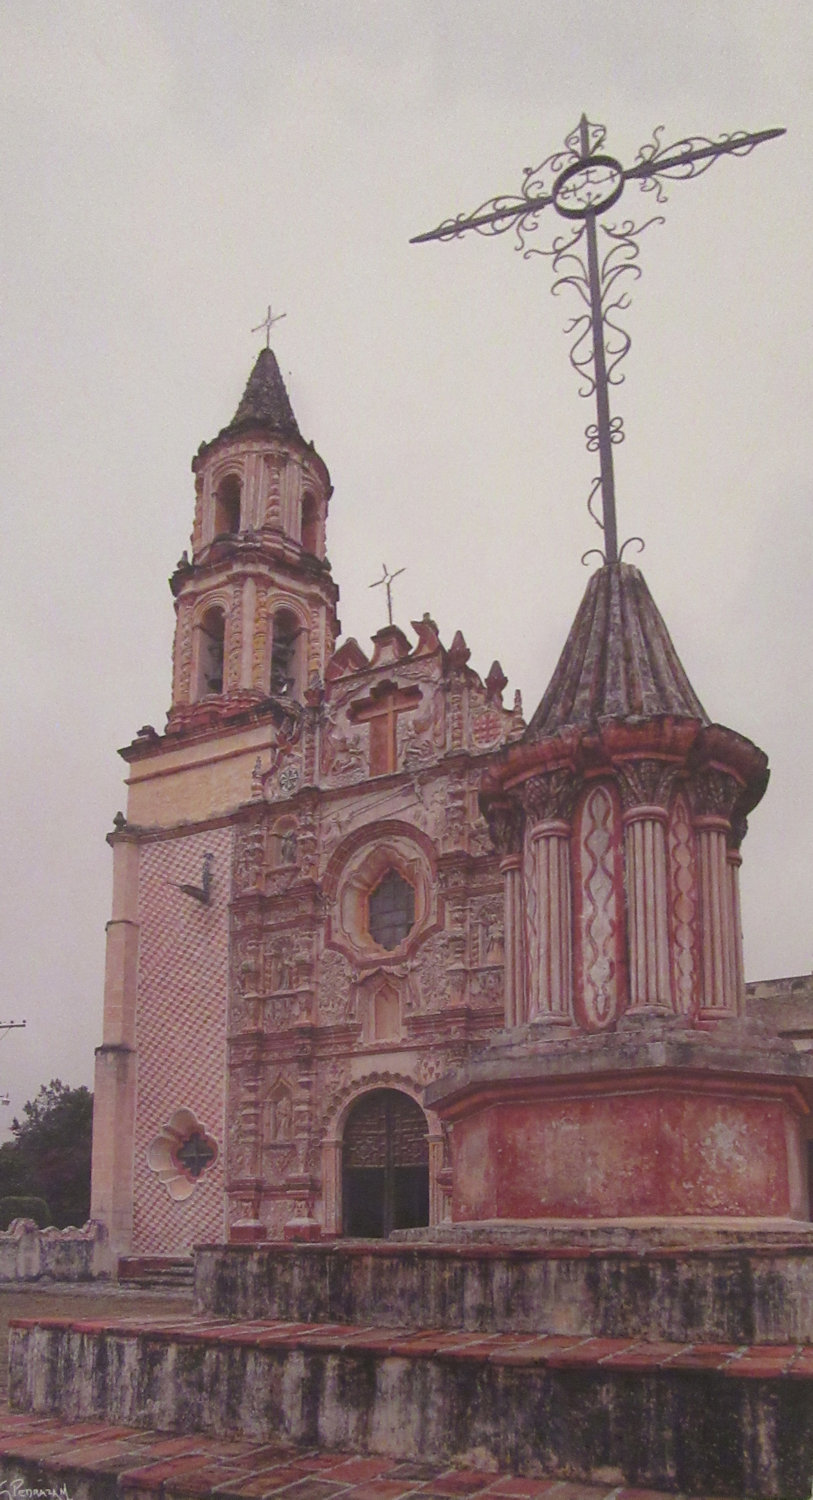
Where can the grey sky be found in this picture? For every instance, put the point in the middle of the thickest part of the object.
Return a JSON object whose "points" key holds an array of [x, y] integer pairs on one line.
{"points": [[168, 167]]}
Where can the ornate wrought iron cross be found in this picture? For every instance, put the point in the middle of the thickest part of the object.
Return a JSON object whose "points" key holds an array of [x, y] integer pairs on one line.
{"points": [[581, 183]]}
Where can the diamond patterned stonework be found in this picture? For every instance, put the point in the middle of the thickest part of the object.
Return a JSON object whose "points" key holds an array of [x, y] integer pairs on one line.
{"points": [[181, 1032]]}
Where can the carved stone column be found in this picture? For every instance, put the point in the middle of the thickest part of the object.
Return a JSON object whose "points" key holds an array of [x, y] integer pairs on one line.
{"points": [[645, 786], [273, 498], [114, 1102], [249, 604], [714, 796], [234, 644], [739, 828], [438, 1201], [505, 823], [548, 801], [332, 1184], [245, 1159]]}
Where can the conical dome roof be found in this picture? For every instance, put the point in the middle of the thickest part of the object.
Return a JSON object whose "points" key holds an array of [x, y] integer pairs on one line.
{"points": [[618, 662], [265, 400]]}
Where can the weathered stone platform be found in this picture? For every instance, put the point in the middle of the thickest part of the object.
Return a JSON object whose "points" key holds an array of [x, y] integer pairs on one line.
{"points": [[744, 1284], [705, 1418], [677, 1367]]}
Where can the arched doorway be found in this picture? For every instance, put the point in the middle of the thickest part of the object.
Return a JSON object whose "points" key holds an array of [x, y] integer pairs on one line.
{"points": [[385, 1165]]}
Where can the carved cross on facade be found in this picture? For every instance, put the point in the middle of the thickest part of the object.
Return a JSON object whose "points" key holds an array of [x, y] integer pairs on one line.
{"points": [[381, 711]]}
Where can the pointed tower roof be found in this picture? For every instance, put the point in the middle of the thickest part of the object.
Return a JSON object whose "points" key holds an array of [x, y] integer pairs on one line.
{"points": [[618, 662], [265, 400]]}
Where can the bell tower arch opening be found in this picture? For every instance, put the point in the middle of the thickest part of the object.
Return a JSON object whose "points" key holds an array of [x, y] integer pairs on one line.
{"points": [[286, 632], [211, 644], [310, 524], [385, 1165], [227, 506]]}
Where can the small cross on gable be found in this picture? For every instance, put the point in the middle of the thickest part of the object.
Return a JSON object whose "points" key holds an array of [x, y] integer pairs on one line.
{"points": [[381, 711]]}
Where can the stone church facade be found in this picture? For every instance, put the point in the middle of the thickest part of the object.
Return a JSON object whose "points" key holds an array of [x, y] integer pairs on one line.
{"points": [[382, 956], [307, 924]]}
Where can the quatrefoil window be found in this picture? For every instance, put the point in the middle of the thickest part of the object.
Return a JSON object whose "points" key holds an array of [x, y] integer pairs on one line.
{"points": [[181, 1154]]}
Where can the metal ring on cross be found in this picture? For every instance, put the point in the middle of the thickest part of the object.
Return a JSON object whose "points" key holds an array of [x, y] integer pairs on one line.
{"points": [[588, 186]]}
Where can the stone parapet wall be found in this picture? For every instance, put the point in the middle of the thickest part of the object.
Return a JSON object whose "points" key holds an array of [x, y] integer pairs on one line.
{"points": [[785, 1005], [28, 1253]]}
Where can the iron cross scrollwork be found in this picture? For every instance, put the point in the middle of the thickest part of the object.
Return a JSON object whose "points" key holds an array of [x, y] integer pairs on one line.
{"points": [[581, 183]]}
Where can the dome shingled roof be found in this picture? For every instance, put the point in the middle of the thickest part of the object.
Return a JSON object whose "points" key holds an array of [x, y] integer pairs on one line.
{"points": [[618, 661]]}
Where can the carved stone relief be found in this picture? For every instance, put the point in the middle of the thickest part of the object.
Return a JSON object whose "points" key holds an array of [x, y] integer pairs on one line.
{"points": [[284, 1010], [421, 735], [433, 989], [550, 796], [600, 910], [335, 988], [183, 654], [344, 749], [249, 857], [487, 923], [454, 834], [486, 986], [645, 782], [259, 645], [487, 727], [683, 903], [235, 642], [714, 793], [506, 823]]}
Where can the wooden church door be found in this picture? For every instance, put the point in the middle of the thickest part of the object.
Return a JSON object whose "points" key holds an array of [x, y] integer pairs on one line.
{"points": [[385, 1165]]}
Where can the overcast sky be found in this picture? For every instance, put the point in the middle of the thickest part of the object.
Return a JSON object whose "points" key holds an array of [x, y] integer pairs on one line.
{"points": [[169, 166]]}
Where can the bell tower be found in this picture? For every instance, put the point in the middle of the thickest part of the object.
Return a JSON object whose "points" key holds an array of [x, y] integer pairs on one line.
{"points": [[255, 627], [256, 604]]}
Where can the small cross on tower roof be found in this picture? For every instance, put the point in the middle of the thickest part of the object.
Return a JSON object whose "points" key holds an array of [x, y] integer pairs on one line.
{"points": [[268, 322]]}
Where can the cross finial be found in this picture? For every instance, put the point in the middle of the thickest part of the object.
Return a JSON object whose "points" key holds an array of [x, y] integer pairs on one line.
{"points": [[268, 322], [386, 578], [581, 183]]}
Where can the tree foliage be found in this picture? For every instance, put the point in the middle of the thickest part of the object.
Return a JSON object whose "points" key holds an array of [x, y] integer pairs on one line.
{"points": [[49, 1156], [24, 1208]]}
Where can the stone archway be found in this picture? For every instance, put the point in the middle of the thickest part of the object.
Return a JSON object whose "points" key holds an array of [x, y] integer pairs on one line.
{"points": [[385, 1165]]}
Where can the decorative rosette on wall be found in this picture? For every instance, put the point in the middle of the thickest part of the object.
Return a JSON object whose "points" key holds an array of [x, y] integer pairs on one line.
{"points": [[181, 1154]]}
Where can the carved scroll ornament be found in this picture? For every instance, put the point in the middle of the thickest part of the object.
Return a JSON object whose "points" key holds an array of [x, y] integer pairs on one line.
{"points": [[506, 821], [647, 782], [714, 793], [550, 796]]}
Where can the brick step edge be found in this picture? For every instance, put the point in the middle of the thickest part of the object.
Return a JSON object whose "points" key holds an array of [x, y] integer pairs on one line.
{"points": [[555, 1351], [149, 1272], [113, 1461]]}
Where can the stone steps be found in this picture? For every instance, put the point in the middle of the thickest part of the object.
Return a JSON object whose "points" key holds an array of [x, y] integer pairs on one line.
{"points": [[103, 1462], [701, 1417], [156, 1272], [738, 1294]]}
